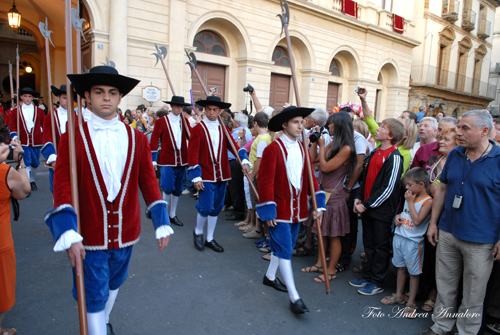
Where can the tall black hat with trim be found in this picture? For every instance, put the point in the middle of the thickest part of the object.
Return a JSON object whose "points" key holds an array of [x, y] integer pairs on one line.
{"points": [[177, 101], [213, 100], [29, 90], [102, 75], [276, 122]]}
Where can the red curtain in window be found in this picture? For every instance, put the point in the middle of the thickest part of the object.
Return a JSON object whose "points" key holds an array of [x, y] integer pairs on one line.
{"points": [[398, 23], [350, 7]]}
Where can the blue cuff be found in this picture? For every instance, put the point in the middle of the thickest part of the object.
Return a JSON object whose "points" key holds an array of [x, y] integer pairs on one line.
{"points": [[157, 211], [321, 199], [194, 172], [13, 134], [48, 149], [243, 154], [61, 219], [154, 154], [266, 210]]}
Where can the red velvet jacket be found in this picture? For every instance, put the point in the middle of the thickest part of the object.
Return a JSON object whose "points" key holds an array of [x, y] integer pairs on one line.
{"points": [[278, 199], [169, 154], [35, 137], [106, 225], [214, 166]]}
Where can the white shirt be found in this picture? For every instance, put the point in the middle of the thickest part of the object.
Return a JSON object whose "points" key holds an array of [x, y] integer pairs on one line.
{"points": [[192, 121], [294, 161], [62, 113], [28, 113], [175, 123], [87, 114], [213, 130], [110, 141]]}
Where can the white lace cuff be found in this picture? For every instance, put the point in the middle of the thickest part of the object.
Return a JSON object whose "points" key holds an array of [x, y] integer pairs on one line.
{"points": [[195, 180], [163, 231], [155, 163], [52, 158], [67, 239]]}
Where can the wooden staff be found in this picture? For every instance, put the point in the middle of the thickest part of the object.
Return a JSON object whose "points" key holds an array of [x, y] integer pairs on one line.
{"points": [[11, 80], [44, 29], [161, 53], [18, 97], [78, 25], [192, 64], [285, 17], [80, 286]]}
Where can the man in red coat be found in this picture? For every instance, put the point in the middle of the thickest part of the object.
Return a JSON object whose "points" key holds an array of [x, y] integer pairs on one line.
{"points": [[30, 132], [209, 169], [283, 186], [113, 162], [172, 133]]}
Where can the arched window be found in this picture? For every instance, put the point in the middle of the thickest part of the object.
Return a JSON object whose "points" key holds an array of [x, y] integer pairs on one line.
{"points": [[334, 68], [209, 42], [280, 57]]}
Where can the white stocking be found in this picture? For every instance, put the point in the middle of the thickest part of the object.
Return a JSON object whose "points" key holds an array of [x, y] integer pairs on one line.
{"points": [[200, 224], [212, 222], [166, 197], [97, 323], [28, 172], [110, 303], [33, 174], [286, 271], [273, 267], [173, 206]]}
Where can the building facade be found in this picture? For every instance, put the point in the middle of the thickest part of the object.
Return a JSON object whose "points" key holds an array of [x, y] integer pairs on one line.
{"points": [[337, 45]]}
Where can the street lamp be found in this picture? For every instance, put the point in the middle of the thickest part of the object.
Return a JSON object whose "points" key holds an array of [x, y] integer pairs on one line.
{"points": [[14, 17], [28, 69]]}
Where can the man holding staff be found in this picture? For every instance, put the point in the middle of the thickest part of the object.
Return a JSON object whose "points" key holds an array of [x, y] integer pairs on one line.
{"points": [[113, 162], [172, 133], [283, 186]]}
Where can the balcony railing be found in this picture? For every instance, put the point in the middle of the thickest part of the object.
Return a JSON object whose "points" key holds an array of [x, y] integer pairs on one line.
{"points": [[484, 29], [450, 10], [431, 75], [468, 20]]}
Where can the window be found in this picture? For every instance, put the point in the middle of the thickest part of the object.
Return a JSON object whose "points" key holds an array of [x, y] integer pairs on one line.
{"points": [[280, 57], [334, 68], [209, 42]]}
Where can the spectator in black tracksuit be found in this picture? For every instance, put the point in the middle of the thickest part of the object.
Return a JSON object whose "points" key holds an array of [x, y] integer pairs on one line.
{"points": [[377, 200]]}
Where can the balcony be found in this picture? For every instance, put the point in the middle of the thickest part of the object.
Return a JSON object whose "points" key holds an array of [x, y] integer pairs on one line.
{"points": [[426, 75], [484, 29], [450, 10], [468, 20]]}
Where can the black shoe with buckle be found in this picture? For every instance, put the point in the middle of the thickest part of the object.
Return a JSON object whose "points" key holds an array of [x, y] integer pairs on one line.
{"points": [[214, 246], [198, 241], [109, 329], [298, 307], [276, 284], [175, 220], [33, 186]]}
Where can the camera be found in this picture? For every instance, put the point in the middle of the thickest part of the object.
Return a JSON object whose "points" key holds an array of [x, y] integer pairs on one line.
{"points": [[358, 90], [431, 106], [315, 136], [213, 90], [248, 89]]}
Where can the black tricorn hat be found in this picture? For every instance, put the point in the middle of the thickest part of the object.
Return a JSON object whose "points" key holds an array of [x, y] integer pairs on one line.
{"points": [[276, 122], [177, 101], [29, 90], [213, 100], [58, 91], [102, 75]]}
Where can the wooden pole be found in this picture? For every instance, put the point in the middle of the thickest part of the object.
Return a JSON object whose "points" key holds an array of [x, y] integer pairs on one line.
{"points": [[80, 286], [11, 80], [285, 19], [17, 92], [227, 135], [49, 79], [78, 71]]}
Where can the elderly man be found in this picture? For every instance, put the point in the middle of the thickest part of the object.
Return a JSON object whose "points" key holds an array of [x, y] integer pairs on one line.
{"points": [[428, 144], [465, 204], [235, 186]]}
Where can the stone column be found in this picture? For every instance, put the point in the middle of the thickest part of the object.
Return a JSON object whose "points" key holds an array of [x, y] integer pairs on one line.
{"points": [[176, 57], [118, 11]]}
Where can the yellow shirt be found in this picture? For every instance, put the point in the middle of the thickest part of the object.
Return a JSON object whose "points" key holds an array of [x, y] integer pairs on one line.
{"points": [[253, 151]]}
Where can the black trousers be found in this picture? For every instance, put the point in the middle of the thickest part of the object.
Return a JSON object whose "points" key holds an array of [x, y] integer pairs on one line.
{"points": [[348, 241], [236, 187], [377, 243]]}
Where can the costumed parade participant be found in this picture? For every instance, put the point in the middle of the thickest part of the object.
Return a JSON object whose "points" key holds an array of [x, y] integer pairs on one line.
{"points": [[60, 119], [30, 132], [283, 186], [113, 162], [209, 169], [172, 159]]}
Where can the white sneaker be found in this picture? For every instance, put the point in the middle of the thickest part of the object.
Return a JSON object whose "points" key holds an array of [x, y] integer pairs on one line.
{"points": [[185, 192]]}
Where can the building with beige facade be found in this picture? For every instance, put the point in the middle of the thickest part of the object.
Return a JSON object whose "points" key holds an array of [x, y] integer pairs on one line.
{"points": [[235, 42]]}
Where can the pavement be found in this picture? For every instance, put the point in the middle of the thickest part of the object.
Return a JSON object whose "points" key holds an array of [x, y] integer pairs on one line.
{"points": [[184, 291]]}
